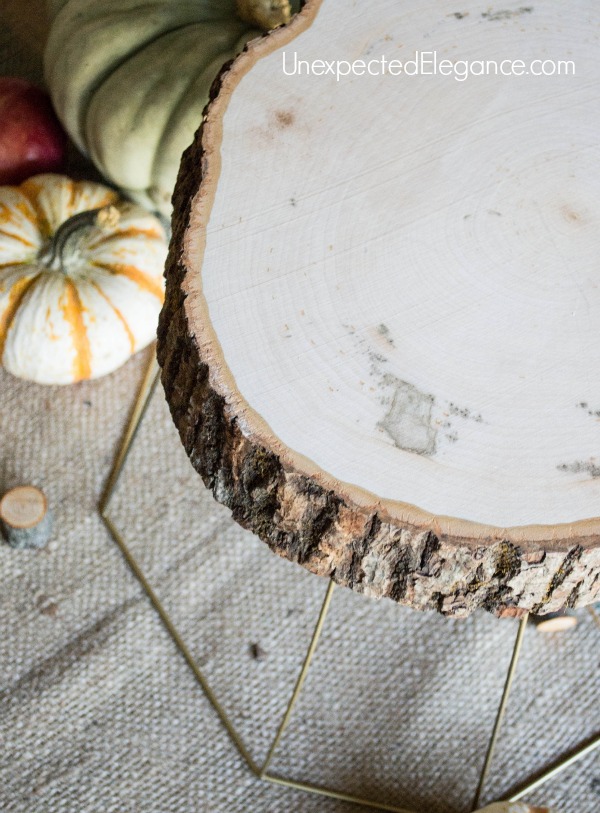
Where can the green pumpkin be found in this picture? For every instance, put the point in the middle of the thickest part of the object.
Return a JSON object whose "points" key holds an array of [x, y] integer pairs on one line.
{"points": [[130, 78]]}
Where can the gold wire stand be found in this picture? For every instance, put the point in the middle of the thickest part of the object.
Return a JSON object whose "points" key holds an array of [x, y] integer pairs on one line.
{"points": [[144, 396]]}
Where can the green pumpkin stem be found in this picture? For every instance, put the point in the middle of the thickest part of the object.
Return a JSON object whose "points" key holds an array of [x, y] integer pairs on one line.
{"points": [[264, 14], [53, 253]]}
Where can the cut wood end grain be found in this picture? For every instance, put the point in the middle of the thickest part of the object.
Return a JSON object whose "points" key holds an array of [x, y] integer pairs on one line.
{"points": [[24, 517], [555, 622], [368, 359]]}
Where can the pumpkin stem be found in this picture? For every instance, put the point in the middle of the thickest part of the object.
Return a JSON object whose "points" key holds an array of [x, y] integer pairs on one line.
{"points": [[53, 254], [264, 14]]}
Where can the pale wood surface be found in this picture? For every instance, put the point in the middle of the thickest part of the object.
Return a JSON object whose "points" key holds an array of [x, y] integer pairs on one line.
{"points": [[373, 335], [411, 304]]}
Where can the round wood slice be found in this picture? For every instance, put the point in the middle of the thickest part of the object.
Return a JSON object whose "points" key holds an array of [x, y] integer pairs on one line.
{"points": [[25, 519], [380, 342], [555, 622]]}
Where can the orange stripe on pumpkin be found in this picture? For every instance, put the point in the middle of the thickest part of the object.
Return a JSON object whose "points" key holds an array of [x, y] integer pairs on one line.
{"points": [[7, 216], [9, 267], [17, 237], [13, 264], [148, 234], [72, 309], [31, 192], [6, 213], [15, 297], [31, 188], [81, 198], [28, 212], [71, 203], [142, 280], [130, 335]]}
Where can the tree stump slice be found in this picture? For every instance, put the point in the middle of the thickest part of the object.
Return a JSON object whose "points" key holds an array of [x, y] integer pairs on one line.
{"points": [[555, 622], [24, 518], [379, 342]]}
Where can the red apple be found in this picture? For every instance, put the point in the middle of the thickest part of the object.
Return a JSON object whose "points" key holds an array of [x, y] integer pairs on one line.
{"points": [[31, 138]]}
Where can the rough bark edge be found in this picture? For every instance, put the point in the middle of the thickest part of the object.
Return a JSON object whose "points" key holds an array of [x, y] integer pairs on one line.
{"points": [[360, 548]]}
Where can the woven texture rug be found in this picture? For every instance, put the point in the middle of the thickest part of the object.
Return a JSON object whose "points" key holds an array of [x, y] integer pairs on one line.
{"points": [[100, 714]]}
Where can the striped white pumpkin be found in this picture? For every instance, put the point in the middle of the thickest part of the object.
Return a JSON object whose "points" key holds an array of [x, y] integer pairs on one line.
{"points": [[79, 293]]}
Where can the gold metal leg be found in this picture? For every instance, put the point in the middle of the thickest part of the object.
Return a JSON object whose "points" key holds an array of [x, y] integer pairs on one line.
{"points": [[139, 410], [334, 794], [140, 406], [501, 709], [144, 396], [554, 770], [301, 677], [180, 644]]}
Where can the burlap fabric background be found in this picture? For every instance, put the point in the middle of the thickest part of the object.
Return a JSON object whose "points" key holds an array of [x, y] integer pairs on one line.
{"points": [[98, 711]]}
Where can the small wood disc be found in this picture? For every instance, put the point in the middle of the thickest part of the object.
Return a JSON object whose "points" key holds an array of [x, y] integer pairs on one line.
{"points": [[513, 807], [555, 622], [23, 507], [24, 516]]}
